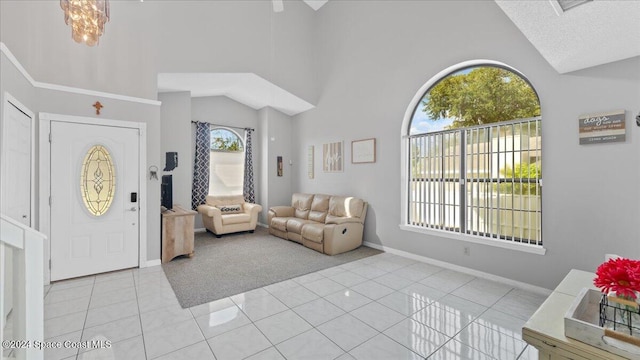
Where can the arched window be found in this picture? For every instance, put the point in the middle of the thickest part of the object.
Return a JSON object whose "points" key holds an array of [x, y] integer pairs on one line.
{"points": [[472, 155], [227, 162]]}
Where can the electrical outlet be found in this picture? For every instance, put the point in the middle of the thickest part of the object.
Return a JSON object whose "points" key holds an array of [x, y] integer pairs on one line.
{"points": [[467, 251]]}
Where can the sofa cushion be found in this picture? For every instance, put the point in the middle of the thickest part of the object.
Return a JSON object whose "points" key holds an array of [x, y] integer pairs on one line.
{"points": [[313, 232], [301, 204], [295, 225], [235, 219], [343, 206], [280, 223], [319, 208], [230, 209]]}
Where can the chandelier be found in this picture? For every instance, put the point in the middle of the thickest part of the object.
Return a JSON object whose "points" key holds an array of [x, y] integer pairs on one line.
{"points": [[86, 18]]}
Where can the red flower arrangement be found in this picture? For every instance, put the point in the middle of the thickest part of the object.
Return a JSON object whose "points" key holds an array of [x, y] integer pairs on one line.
{"points": [[621, 276]]}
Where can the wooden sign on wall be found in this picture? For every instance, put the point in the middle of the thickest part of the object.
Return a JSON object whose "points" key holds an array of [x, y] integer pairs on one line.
{"points": [[602, 127]]}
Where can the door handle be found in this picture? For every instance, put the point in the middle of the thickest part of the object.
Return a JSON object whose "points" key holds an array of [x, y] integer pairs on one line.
{"points": [[133, 208]]}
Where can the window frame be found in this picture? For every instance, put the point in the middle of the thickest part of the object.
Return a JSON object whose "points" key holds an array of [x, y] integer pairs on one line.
{"points": [[242, 141], [217, 127], [406, 168]]}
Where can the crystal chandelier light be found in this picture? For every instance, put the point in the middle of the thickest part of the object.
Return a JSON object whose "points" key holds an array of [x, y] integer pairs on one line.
{"points": [[86, 18]]}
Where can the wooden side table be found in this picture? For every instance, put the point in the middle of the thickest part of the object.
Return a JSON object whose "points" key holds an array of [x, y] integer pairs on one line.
{"points": [[177, 232]]}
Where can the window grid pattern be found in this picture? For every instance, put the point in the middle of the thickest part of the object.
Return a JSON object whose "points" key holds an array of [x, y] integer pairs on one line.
{"points": [[482, 180]]}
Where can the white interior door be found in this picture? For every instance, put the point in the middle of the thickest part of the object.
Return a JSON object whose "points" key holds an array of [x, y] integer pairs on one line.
{"points": [[16, 165], [16, 182], [94, 216]]}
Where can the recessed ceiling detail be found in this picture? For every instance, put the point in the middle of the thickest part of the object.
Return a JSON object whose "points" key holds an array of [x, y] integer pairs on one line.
{"points": [[246, 88], [315, 4], [597, 33], [570, 4]]}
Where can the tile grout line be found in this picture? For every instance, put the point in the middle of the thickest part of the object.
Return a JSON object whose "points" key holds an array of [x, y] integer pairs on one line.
{"points": [[103, 324], [135, 289], [86, 316]]}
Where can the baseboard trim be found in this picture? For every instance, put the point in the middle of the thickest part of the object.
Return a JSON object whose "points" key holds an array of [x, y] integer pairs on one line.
{"points": [[151, 263], [200, 230], [462, 269]]}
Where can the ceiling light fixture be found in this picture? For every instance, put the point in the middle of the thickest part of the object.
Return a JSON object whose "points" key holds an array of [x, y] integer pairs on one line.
{"points": [[86, 18]]}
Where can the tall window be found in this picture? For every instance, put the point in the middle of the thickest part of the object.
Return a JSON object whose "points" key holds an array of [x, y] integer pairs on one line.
{"points": [[475, 156], [227, 162]]}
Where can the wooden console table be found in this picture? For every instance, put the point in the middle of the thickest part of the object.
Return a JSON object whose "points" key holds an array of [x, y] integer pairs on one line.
{"points": [[545, 329], [177, 232]]}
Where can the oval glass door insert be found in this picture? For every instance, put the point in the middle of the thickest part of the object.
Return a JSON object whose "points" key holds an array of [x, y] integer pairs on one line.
{"points": [[98, 180]]}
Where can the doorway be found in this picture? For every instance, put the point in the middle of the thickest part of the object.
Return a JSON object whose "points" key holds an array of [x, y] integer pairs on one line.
{"points": [[95, 216], [17, 188]]}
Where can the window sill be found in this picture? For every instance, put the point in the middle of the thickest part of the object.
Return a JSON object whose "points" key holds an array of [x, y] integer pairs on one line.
{"points": [[532, 249]]}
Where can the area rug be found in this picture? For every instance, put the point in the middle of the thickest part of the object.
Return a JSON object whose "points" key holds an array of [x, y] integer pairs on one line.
{"points": [[237, 263]]}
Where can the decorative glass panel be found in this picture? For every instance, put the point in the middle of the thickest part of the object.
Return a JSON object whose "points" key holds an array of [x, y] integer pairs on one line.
{"points": [[98, 180]]}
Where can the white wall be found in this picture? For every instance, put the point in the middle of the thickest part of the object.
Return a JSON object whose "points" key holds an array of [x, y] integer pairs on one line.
{"points": [[274, 132], [176, 132], [373, 57], [279, 133], [143, 39]]}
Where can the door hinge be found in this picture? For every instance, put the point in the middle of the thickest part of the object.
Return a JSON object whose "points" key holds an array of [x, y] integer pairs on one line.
{"points": [[49, 264], [49, 137], [49, 200]]}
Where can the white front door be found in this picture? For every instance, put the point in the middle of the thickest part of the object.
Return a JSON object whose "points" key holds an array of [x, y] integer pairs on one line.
{"points": [[94, 199], [15, 194]]}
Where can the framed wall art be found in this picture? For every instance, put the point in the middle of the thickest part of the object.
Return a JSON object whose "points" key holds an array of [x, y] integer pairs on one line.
{"points": [[363, 151], [280, 167], [332, 157], [602, 128], [310, 161]]}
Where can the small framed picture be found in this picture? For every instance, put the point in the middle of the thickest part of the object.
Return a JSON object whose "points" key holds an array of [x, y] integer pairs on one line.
{"points": [[363, 151], [280, 167]]}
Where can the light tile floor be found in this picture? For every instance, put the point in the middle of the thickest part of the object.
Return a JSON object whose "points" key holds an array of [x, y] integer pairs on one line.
{"points": [[381, 307]]}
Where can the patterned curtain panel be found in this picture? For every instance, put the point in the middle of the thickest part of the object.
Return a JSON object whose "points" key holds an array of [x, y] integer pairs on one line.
{"points": [[249, 191], [201, 165]]}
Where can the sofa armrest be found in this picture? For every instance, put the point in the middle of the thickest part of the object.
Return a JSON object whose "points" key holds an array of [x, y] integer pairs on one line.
{"points": [[282, 211], [212, 218], [252, 208], [343, 220], [208, 210]]}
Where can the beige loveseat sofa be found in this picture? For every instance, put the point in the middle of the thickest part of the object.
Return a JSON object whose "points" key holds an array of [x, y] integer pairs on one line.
{"points": [[229, 214], [325, 223]]}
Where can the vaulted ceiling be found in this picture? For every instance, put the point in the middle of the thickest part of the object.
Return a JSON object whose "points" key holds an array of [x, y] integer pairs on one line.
{"points": [[594, 33]]}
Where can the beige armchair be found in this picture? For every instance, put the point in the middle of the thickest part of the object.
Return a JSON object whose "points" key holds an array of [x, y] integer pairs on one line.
{"points": [[229, 214]]}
